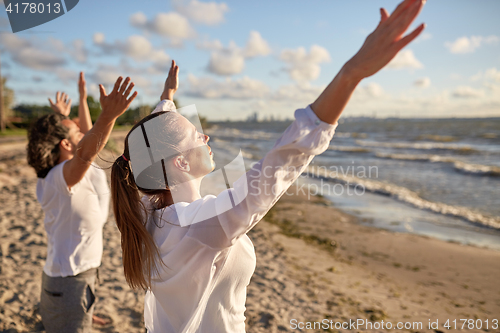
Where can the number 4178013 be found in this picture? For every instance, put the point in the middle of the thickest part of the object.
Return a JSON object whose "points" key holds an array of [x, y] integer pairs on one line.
{"points": [[471, 324], [33, 8]]}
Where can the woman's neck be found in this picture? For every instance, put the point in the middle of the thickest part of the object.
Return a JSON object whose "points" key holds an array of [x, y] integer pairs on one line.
{"points": [[188, 191]]}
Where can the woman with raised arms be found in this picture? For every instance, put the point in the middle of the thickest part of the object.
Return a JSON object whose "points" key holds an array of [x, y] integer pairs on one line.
{"points": [[191, 253]]}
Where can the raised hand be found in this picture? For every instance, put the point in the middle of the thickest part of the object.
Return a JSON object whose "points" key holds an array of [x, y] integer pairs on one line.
{"points": [[171, 83], [84, 120], [62, 104], [82, 86], [382, 45], [116, 103]]}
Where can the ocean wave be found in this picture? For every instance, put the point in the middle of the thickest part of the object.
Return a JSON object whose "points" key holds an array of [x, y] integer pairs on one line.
{"points": [[437, 138], [405, 195], [473, 169], [477, 169], [350, 149], [242, 134], [418, 145]]}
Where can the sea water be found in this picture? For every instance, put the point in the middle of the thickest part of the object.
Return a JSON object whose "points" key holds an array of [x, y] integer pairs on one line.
{"points": [[437, 177]]}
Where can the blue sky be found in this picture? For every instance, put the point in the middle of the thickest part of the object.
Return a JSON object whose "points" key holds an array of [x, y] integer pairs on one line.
{"points": [[270, 57]]}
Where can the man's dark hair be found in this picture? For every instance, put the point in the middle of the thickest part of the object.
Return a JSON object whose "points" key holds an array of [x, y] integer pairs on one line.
{"points": [[44, 137]]}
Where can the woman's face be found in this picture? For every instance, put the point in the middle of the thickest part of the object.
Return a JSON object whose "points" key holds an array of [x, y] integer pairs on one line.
{"points": [[195, 149]]}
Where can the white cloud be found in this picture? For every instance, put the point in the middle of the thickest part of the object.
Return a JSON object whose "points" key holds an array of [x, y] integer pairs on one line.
{"points": [[467, 92], [172, 25], [38, 59], [256, 46], [303, 92], [422, 82], [67, 76], [231, 59], [79, 52], [107, 75], [136, 47], [31, 92], [495, 88], [226, 62], [31, 53], [244, 88], [405, 59], [138, 19], [469, 44], [368, 91], [212, 45], [493, 74], [424, 36], [98, 38], [303, 66], [209, 13], [55, 44]]}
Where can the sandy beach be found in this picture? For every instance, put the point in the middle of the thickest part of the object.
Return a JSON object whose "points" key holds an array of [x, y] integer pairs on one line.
{"points": [[314, 263]]}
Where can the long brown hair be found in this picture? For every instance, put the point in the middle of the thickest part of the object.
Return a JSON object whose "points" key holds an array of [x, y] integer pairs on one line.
{"points": [[141, 257]]}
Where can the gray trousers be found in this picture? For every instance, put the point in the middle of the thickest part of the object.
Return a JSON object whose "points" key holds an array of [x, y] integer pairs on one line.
{"points": [[67, 303]]}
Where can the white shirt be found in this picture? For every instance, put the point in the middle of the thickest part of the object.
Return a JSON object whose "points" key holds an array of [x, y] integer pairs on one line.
{"points": [[74, 220], [209, 264]]}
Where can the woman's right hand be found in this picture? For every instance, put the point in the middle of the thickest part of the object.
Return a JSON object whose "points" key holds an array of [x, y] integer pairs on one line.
{"points": [[382, 45], [116, 103]]}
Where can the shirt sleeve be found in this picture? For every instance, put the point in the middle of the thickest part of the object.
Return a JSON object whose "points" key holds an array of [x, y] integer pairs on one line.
{"points": [[165, 105], [59, 182], [261, 187]]}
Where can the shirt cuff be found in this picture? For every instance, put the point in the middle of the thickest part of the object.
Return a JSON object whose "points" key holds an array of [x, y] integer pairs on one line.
{"points": [[165, 105], [318, 122]]}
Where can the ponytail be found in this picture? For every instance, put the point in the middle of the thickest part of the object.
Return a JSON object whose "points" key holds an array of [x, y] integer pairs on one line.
{"points": [[141, 256], [140, 253]]}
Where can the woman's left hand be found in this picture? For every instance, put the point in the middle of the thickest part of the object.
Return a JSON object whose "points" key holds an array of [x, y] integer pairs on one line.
{"points": [[171, 83], [382, 45]]}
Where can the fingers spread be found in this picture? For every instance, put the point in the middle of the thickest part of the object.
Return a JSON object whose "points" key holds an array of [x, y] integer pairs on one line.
{"points": [[383, 17], [69, 102], [401, 9], [408, 38], [401, 24], [58, 96], [384, 14], [124, 85], [103, 91], [131, 85], [132, 98], [51, 103], [117, 84]]}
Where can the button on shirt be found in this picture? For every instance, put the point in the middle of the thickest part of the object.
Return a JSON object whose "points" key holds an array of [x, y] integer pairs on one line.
{"points": [[208, 264], [74, 220]]}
